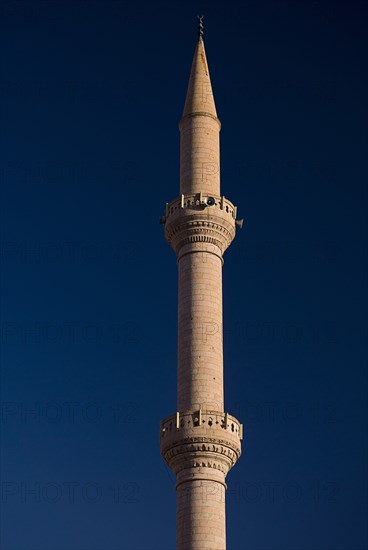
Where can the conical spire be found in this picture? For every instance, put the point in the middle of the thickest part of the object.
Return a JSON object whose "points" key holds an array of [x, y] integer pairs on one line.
{"points": [[199, 94]]}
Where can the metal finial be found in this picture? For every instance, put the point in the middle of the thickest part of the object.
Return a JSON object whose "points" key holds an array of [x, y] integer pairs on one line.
{"points": [[200, 26]]}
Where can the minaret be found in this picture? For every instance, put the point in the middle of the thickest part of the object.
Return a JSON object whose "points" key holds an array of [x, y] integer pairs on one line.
{"points": [[200, 442]]}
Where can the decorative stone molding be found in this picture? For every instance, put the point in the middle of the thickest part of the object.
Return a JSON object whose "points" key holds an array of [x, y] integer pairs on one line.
{"points": [[187, 117], [201, 442], [200, 219]]}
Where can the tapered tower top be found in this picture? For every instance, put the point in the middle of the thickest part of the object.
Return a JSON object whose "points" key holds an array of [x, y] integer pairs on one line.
{"points": [[199, 97]]}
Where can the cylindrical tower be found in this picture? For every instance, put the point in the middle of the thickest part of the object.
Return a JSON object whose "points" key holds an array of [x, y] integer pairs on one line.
{"points": [[200, 442]]}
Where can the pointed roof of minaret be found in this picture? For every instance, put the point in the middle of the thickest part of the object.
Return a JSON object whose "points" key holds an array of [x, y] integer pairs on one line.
{"points": [[199, 94]]}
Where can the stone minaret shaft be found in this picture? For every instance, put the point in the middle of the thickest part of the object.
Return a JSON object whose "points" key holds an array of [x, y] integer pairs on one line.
{"points": [[200, 442]]}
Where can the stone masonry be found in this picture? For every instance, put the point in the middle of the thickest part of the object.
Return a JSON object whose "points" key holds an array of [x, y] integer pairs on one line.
{"points": [[200, 442]]}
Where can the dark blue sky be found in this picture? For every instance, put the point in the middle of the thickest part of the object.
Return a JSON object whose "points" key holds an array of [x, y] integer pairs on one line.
{"points": [[92, 93]]}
